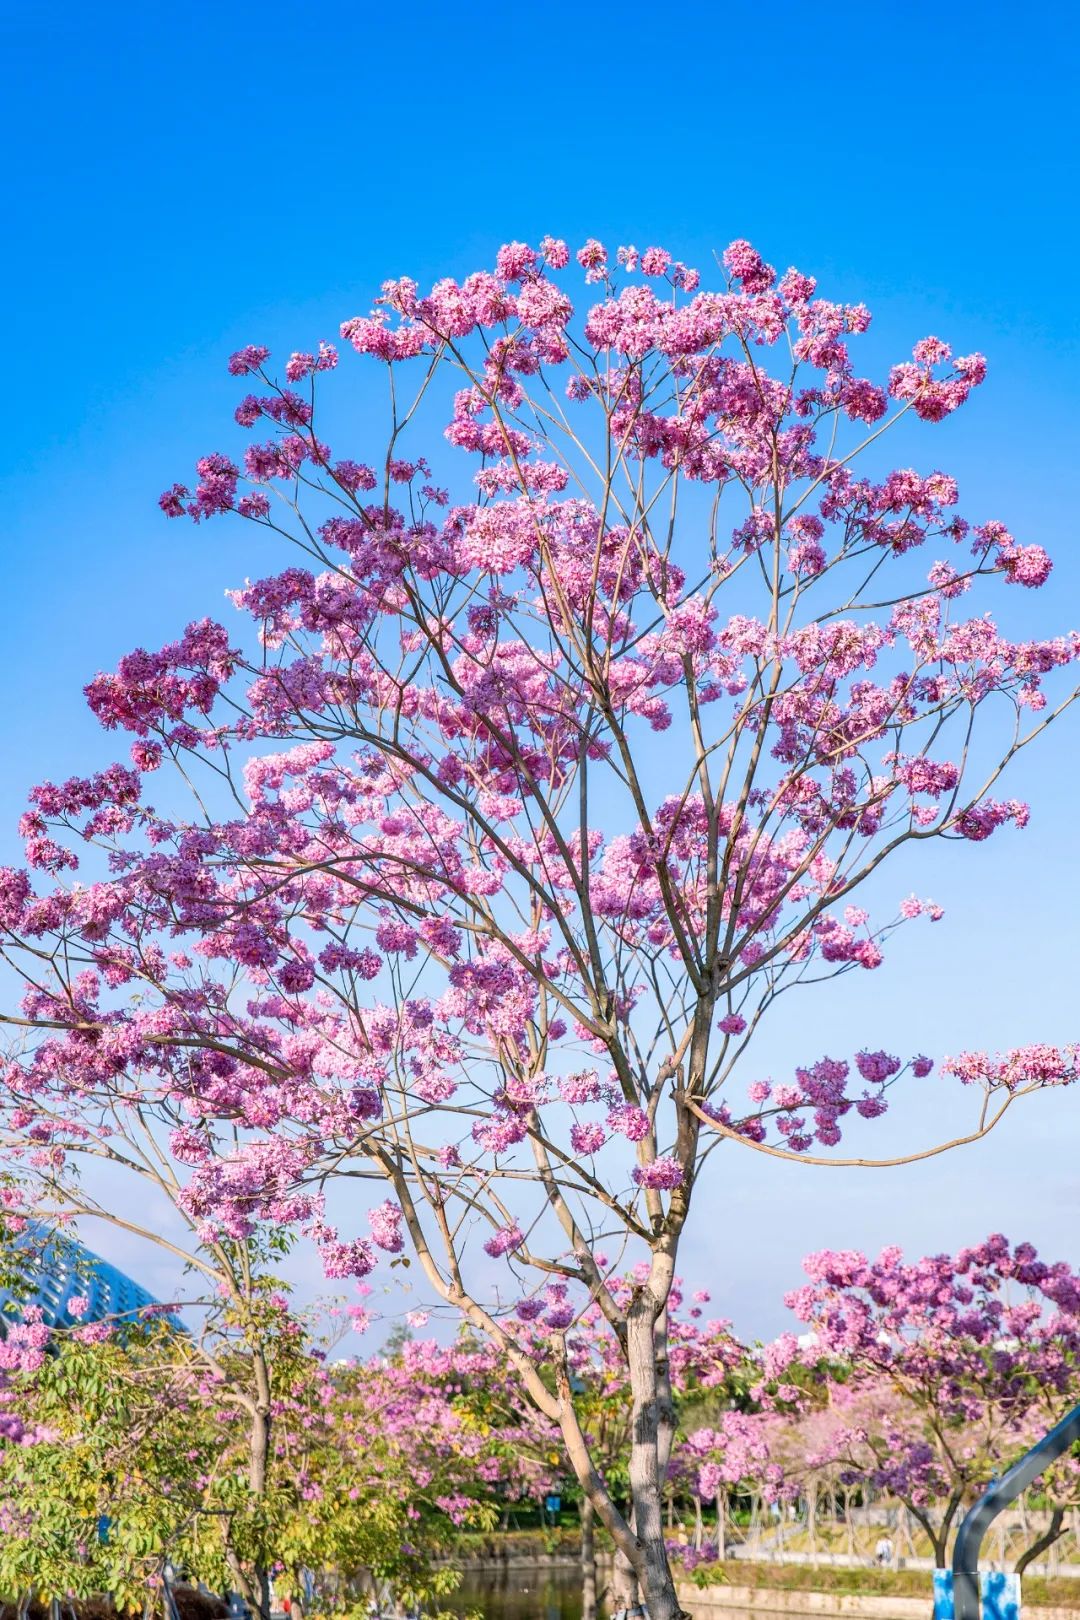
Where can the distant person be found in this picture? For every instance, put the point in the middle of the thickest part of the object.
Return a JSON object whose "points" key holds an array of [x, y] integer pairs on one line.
{"points": [[883, 1552]]}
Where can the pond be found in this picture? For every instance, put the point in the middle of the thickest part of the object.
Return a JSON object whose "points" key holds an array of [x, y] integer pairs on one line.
{"points": [[520, 1594]]}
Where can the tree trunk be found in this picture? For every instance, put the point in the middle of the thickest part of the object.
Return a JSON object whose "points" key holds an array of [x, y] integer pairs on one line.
{"points": [[241, 1580], [699, 1525], [258, 1472], [811, 1521], [666, 1422], [721, 1526], [588, 1562], [624, 1585], [646, 1475], [941, 1547], [1044, 1542], [903, 1530], [938, 1535], [849, 1528]]}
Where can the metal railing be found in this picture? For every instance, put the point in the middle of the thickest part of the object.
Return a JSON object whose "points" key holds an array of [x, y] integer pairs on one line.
{"points": [[970, 1536]]}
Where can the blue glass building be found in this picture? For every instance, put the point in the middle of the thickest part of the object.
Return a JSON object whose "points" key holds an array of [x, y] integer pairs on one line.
{"points": [[58, 1269]]}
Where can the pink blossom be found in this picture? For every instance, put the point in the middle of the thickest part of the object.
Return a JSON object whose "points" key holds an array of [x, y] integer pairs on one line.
{"points": [[505, 1241], [663, 1173], [629, 1121], [385, 1223], [587, 1139]]}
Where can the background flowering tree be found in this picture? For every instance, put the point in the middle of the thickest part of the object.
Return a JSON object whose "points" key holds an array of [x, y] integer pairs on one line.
{"points": [[938, 1374], [427, 919], [165, 1432], [718, 1459], [247, 1352]]}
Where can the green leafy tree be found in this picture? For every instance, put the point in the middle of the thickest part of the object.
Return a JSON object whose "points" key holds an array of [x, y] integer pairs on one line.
{"points": [[138, 1453]]}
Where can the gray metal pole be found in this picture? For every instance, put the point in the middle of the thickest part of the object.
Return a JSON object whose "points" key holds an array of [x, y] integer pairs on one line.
{"points": [[969, 1537]]}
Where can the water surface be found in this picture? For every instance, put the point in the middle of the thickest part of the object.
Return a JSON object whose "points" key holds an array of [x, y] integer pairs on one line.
{"points": [[520, 1594]]}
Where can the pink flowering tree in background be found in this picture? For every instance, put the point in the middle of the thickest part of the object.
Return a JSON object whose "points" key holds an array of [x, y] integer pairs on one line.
{"points": [[938, 1375], [449, 1412], [521, 791], [718, 1459]]}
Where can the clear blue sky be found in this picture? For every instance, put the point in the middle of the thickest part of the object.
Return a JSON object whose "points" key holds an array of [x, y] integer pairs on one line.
{"points": [[179, 180]]}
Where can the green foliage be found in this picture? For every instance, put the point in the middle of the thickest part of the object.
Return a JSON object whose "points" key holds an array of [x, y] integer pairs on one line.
{"points": [[154, 1433], [13, 1254], [102, 1449]]}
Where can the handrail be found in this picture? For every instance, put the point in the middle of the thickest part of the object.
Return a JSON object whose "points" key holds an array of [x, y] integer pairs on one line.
{"points": [[969, 1537]]}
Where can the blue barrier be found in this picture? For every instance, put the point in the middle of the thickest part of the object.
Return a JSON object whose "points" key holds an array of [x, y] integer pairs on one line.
{"points": [[999, 1595]]}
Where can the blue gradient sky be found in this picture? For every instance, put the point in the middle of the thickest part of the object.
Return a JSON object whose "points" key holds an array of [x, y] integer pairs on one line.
{"points": [[181, 180]]}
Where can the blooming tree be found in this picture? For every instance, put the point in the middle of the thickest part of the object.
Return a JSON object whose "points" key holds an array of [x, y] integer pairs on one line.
{"points": [[441, 1410], [245, 1346], [939, 1374], [549, 763], [737, 1453]]}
